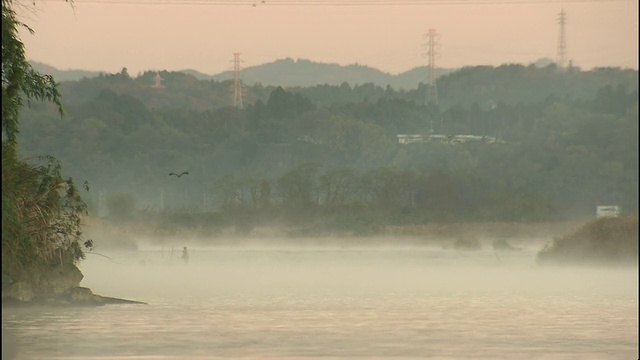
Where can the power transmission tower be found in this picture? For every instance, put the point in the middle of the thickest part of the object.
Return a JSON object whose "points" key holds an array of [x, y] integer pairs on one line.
{"points": [[237, 82], [561, 55], [432, 46]]}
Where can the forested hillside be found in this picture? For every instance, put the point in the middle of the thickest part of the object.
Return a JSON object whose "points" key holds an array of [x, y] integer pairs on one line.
{"points": [[554, 145]]}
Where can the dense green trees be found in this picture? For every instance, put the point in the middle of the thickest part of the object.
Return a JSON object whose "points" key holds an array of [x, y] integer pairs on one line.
{"points": [[41, 210], [561, 146]]}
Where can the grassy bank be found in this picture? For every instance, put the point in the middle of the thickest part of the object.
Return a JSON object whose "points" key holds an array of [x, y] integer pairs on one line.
{"points": [[601, 241]]}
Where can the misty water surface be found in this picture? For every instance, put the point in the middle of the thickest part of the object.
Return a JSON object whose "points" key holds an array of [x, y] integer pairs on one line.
{"points": [[337, 303]]}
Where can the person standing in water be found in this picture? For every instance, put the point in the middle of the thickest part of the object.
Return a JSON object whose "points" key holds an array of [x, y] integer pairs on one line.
{"points": [[185, 255]]}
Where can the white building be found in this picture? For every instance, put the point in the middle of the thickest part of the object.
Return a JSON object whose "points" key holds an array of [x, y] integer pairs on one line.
{"points": [[407, 139], [607, 211]]}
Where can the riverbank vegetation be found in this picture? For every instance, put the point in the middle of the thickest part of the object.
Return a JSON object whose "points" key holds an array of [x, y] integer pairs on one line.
{"points": [[608, 240], [41, 210]]}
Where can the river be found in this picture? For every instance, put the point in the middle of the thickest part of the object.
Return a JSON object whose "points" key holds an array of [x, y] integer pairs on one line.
{"points": [[335, 303]]}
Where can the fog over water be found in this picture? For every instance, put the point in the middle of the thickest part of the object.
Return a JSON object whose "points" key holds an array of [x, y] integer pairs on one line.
{"points": [[150, 272], [313, 302]]}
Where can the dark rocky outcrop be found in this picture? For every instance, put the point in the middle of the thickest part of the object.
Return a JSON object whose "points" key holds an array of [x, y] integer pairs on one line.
{"points": [[58, 286], [76, 296]]}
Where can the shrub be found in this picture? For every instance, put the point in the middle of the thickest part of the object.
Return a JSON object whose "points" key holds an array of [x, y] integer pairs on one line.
{"points": [[604, 240]]}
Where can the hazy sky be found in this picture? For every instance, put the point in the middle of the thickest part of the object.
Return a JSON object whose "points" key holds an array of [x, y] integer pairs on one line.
{"points": [[141, 35]]}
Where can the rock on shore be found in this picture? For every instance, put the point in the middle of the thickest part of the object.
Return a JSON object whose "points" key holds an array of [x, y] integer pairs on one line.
{"points": [[59, 286]]}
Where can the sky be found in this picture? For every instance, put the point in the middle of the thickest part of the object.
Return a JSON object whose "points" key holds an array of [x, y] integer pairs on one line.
{"points": [[390, 35]]}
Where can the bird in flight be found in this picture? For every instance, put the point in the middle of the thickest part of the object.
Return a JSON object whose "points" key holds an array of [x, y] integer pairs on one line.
{"points": [[178, 175]]}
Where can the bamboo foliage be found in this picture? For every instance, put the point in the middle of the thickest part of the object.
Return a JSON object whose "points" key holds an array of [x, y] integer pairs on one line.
{"points": [[44, 212], [41, 211]]}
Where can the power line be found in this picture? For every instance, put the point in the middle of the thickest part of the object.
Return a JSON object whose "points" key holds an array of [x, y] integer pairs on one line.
{"points": [[271, 3]]}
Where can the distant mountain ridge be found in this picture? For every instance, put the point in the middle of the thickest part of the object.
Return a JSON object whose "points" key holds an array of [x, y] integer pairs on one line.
{"points": [[287, 73], [291, 73], [64, 75]]}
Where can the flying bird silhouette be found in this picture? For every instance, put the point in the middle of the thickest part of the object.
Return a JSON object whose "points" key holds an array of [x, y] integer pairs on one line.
{"points": [[178, 175]]}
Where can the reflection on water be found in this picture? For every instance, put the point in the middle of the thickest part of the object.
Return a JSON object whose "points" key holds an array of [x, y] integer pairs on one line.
{"points": [[337, 304]]}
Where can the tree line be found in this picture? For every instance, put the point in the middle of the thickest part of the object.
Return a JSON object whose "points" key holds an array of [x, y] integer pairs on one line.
{"points": [[565, 143]]}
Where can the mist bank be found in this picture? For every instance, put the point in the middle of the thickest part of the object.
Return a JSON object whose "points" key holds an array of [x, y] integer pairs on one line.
{"points": [[164, 233], [602, 241]]}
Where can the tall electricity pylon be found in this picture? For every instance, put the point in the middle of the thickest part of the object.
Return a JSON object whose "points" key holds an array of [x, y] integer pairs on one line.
{"points": [[237, 82], [432, 47], [561, 56]]}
